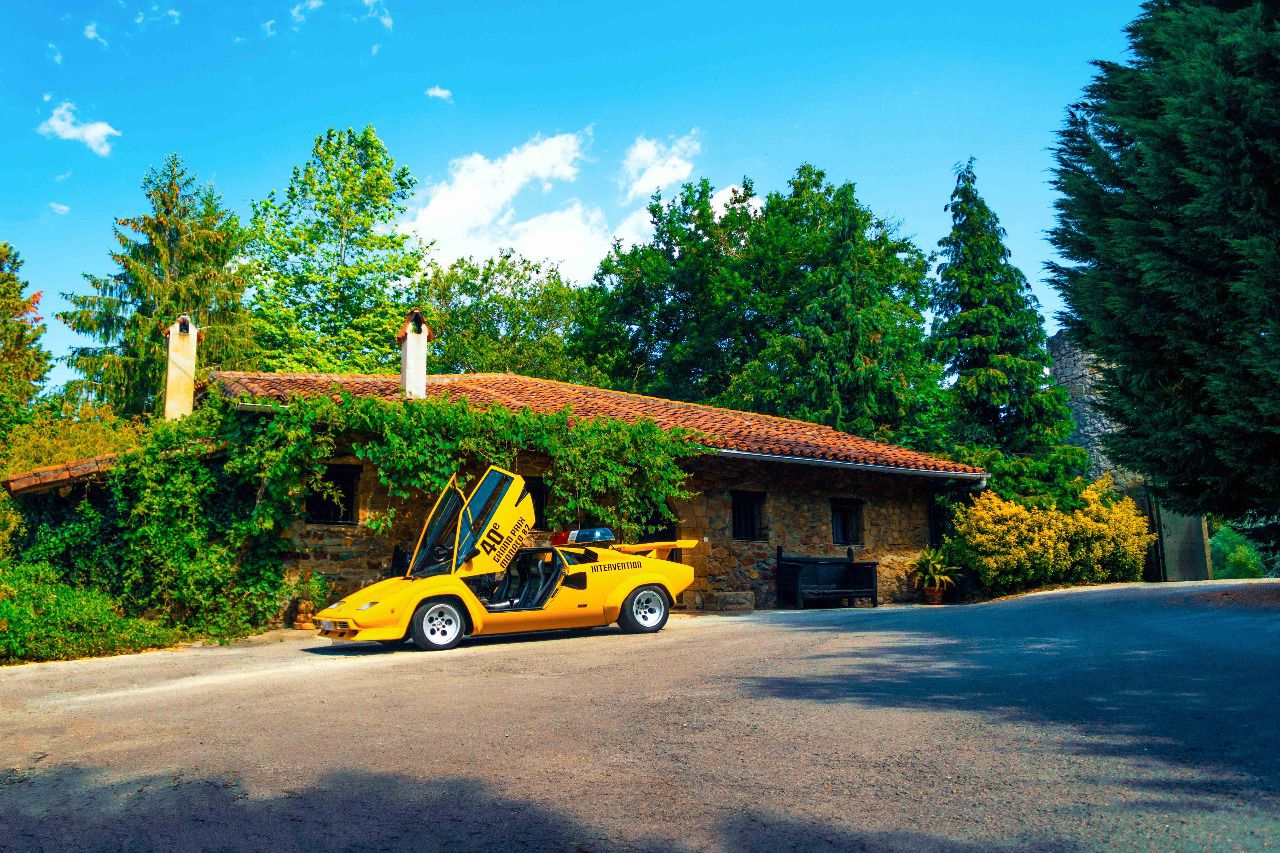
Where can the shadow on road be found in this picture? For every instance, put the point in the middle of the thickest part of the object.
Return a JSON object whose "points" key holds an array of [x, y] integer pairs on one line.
{"points": [[1139, 675], [80, 809]]}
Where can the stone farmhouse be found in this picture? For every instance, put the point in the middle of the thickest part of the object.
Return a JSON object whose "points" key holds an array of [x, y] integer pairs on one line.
{"points": [[770, 483]]}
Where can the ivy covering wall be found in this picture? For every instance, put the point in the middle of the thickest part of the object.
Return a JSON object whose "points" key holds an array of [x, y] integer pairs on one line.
{"points": [[190, 528]]}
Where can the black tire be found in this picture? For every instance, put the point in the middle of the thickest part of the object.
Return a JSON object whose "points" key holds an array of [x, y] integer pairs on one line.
{"points": [[437, 625], [645, 610]]}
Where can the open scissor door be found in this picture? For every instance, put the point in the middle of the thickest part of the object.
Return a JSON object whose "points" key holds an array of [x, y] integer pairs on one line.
{"points": [[494, 523], [435, 549]]}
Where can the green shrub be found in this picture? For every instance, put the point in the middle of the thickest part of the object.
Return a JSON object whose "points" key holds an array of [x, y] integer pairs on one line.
{"points": [[43, 619], [1234, 556]]}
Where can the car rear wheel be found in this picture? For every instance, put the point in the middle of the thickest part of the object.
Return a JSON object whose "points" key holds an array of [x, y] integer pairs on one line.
{"points": [[437, 625], [644, 611]]}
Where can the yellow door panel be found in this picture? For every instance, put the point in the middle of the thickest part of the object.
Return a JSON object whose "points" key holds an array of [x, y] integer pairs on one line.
{"points": [[494, 524]]}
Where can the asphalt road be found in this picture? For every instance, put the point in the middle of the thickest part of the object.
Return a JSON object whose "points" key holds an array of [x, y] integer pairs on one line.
{"points": [[1124, 718]]}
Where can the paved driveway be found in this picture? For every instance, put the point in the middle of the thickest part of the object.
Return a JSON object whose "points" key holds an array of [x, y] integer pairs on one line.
{"points": [[1123, 718]]}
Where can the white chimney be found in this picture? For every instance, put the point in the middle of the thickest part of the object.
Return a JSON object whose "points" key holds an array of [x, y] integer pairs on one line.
{"points": [[414, 336], [180, 378]]}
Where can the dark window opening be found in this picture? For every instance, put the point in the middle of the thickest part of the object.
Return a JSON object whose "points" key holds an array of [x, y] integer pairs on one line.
{"points": [[335, 501], [663, 529], [846, 522], [748, 516], [537, 489]]}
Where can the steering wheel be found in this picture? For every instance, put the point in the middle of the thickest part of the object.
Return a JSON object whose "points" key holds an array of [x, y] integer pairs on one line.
{"points": [[438, 553]]}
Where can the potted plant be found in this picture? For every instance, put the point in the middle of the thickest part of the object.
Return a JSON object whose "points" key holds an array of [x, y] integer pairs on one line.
{"points": [[933, 575], [310, 591]]}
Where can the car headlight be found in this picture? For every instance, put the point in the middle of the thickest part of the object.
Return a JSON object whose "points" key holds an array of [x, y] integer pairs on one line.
{"points": [[367, 605]]}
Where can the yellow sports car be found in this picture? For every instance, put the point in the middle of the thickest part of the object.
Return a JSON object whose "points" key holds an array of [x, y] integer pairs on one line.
{"points": [[470, 575]]}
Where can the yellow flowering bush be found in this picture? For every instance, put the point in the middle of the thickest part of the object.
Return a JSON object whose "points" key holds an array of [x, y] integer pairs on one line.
{"points": [[1013, 547]]}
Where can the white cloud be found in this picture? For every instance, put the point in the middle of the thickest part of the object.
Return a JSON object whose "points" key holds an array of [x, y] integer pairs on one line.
{"points": [[720, 200], [175, 16], [440, 93], [269, 27], [636, 228], [47, 97], [473, 211], [378, 9], [55, 54], [306, 7], [91, 33], [373, 51], [64, 125], [60, 209], [63, 176], [139, 18], [651, 165]]}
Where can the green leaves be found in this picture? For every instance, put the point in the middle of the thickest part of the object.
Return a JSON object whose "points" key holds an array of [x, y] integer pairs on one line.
{"points": [[23, 361], [184, 259], [805, 305], [331, 272], [1169, 226], [1006, 415]]}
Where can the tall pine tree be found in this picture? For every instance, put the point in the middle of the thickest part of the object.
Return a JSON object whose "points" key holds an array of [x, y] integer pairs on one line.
{"points": [[1169, 224], [181, 257], [331, 270], [988, 333], [23, 361]]}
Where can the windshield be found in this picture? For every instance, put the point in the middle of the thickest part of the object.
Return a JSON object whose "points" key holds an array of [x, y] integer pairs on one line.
{"points": [[480, 509], [435, 547]]}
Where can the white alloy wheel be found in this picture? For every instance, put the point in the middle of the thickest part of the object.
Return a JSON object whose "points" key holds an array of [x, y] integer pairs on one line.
{"points": [[437, 625], [649, 607]]}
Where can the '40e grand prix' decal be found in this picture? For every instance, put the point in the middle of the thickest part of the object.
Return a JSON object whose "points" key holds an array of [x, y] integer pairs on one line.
{"points": [[501, 547]]}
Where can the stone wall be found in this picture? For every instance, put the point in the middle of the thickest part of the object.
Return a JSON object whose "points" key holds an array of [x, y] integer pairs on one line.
{"points": [[733, 575], [1075, 370], [729, 575]]}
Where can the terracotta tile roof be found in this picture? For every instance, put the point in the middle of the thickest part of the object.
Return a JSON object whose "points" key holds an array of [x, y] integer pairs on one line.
{"points": [[43, 479], [723, 429]]}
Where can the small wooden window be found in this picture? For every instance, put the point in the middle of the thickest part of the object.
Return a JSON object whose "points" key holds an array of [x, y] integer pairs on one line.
{"points": [[748, 516], [336, 502], [846, 521]]}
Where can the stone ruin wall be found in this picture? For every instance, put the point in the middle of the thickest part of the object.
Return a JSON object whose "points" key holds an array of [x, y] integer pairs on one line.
{"points": [[1075, 370]]}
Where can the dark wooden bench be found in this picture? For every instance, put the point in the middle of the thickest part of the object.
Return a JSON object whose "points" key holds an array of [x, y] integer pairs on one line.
{"points": [[802, 579]]}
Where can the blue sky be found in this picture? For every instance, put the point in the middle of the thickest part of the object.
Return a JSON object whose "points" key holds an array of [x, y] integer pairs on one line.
{"points": [[538, 125]]}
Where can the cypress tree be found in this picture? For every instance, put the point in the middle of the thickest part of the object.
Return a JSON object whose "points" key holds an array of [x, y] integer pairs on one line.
{"points": [[181, 257], [1169, 226], [989, 335]]}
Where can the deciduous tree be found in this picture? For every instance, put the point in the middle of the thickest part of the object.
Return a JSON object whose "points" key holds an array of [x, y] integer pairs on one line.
{"points": [[331, 270], [23, 361], [505, 314]]}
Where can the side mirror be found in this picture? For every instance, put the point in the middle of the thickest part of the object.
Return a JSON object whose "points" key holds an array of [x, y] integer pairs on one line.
{"points": [[577, 580]]}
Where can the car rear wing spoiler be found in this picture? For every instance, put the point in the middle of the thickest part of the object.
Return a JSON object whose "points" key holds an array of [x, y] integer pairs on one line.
{"points": [[657, 550]]}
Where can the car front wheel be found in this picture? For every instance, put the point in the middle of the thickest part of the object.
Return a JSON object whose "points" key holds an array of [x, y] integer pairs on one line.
{"points": [[437, 625], [644, 611]]}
